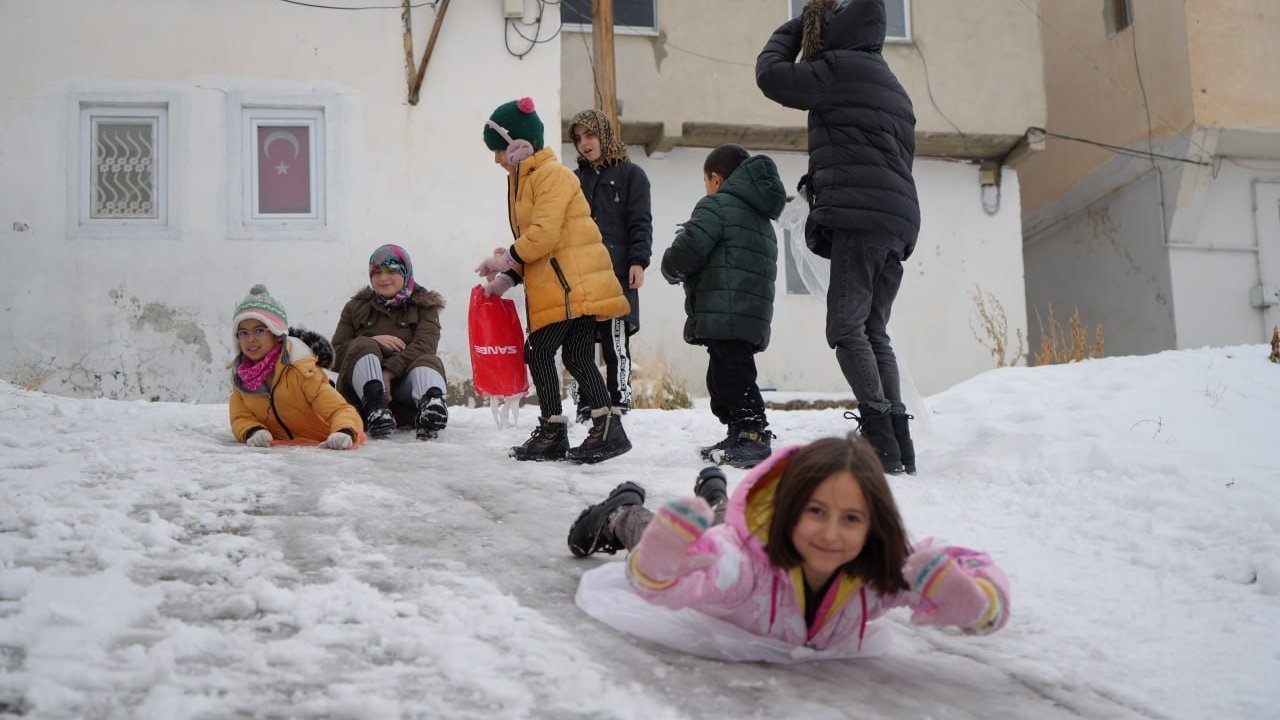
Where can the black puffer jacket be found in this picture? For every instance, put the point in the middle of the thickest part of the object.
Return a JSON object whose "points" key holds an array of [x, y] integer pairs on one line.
{"points": [[727, 257], [619, 197], [861, 128]]}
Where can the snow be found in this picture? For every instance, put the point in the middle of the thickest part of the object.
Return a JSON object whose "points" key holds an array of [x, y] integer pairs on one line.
{"points": [[151, 567]]}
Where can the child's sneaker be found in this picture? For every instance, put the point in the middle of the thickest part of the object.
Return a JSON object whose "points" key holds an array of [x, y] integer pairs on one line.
{"points": [[549, 441], [709, 452], [432, 415], [591, 533], [605, 440], [749, 449]]}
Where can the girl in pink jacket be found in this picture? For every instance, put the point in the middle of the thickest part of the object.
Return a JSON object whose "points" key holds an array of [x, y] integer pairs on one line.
{"points": [[810, 549]]}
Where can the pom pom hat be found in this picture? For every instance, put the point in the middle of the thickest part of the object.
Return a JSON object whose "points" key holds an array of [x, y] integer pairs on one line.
{"points": [[259, 305], [519, 120]]}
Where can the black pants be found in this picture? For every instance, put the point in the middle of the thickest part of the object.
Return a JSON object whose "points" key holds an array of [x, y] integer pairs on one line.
{"points": [[731, 381], [577, 339], [865, 277], [614, 337]]}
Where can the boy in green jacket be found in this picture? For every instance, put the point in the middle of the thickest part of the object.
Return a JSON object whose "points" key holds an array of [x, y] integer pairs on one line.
{"points": [[726, 256]]}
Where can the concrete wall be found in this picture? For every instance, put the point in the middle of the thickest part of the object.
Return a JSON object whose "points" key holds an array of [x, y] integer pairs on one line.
{"points": [[1233, 57], [961, 248], [133, 314]]}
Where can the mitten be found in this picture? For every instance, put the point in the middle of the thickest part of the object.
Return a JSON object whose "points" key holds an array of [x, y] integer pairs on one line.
{"points": [[663, 553], [957, 587], [498, 262], [259, 438], [337, 441], [501, 283]]}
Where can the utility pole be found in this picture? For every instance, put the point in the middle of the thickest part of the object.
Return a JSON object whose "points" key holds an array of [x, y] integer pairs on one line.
{"points": [[602, 50]]}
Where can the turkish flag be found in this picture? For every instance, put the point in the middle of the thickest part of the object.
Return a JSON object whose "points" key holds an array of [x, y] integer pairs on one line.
{"points": [[284, 169]]}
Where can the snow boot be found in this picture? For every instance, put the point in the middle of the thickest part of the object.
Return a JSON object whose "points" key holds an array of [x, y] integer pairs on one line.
{"points": [[432, 415], [708, 452], [606, 438], [712, 487], [378, 420], [549, 441], [877, 427], [591, 532], [752, 445], [906, 448]]}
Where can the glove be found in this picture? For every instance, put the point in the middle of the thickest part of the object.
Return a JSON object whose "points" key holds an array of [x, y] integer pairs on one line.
{"points": [[663, 553], [500, 283], [337, 441], [498, 262], [259, 438], [951, 594]]}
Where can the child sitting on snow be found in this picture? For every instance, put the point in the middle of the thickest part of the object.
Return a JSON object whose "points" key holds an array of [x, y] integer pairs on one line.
{"points": [[808, 551], [279, 390]]}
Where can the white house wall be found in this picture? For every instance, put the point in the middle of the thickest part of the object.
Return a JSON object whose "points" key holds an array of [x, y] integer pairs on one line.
{"points": [[961, 248], [147, 314]]}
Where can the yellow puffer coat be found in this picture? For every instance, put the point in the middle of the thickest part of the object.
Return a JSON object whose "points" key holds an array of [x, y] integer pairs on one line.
{"points": [[566, 268], [298, 403]]}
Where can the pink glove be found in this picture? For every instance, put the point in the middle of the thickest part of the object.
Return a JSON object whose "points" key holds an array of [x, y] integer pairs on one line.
{"points": [[663, 553], [499, 261], [957, 587], [500, 283]]}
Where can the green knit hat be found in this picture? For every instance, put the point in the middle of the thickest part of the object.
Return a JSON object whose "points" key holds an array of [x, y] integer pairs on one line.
{"points": [[519, 120]]}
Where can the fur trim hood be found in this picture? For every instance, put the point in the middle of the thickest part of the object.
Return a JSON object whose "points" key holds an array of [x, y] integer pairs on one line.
{"points": [[318, 344], [421, 297]]}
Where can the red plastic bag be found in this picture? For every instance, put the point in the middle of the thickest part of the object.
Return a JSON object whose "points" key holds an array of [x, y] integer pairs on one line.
{"points": [[497, 346]]}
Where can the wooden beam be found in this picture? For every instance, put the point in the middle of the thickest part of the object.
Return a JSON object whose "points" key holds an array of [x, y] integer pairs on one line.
{"points": [[426, 55], [602, 49]]}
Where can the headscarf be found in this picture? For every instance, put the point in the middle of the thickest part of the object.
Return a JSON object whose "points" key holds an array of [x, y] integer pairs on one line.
{"points": [[611, 148], [396, 258]]}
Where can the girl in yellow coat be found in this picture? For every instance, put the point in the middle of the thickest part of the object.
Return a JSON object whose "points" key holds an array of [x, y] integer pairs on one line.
{"points": [[279, 394], [569, 284]]}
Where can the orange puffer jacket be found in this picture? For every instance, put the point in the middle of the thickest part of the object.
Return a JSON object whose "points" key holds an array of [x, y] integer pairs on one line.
{"points": [[297, 402]]}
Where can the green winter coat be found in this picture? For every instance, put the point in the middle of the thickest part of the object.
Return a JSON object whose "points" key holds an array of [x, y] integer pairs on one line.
{"points": [[727, 257]]}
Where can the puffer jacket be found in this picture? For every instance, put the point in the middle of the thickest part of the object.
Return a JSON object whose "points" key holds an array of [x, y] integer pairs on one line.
{"points": [[618, 194], [740, 586], [417, 323], [562, 259], [727, 257], [861, 129], [296, 403]]}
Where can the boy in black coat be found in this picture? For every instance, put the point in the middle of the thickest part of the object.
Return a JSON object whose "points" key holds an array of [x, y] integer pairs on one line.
{"points": [[863, 210]]}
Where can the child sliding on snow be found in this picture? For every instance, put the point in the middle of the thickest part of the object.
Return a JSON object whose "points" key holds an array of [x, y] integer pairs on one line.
{"points": [[278, 389], [809, 549]]}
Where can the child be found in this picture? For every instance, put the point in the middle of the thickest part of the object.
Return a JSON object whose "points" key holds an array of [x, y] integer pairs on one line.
{"points": [[618, 192], [278, 389], [812, 549], [386, 348], [569, 284], [863, 211], [727, 257]]}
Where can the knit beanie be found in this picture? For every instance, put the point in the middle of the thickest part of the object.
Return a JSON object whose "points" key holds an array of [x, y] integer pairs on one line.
{"points": [[259, 305], [611, 148], [519, 120]]}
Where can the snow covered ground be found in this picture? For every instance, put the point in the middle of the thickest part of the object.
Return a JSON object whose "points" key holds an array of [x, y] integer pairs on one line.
{"points": [[151, 567]]}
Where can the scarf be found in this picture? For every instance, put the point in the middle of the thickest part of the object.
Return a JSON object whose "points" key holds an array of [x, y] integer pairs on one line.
{"points": [[253, 374]]}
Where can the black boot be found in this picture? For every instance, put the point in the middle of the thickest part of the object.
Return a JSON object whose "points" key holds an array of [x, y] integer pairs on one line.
{"points": [[432, 415], [549, 441], [378, 420], [606, 439], [877, 428], [591, 533], [906, 448], [711, 486], [710, 452], [752, 445]]}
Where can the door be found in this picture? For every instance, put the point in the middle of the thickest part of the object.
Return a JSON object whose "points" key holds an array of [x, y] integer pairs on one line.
{"points": [[1266, 296]]}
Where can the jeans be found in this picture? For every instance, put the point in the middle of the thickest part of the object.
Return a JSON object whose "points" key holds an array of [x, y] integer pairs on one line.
{"points": [[865, 277]]}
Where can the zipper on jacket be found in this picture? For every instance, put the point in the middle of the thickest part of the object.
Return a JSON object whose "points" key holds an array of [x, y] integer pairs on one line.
{"points": [[271, 400], [511, 215], [555, 265]]}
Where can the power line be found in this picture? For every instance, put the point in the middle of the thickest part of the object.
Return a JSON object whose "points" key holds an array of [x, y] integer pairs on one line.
{"points": [[1120, 150], [356, 7]]}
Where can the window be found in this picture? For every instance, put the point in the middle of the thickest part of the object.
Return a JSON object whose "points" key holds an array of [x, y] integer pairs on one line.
{"points": [[284, 164], [124, 165], [1118, 15], [637, 14], [897, 18]]}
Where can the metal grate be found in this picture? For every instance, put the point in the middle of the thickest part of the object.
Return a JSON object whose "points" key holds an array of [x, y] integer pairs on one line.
{"points": [[123, 184]]}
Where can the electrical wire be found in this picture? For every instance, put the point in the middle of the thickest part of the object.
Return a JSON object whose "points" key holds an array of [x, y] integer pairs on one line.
{"points": [[1119, 150], [537, 39], [928, 86], [432, 4], [708, 57]]}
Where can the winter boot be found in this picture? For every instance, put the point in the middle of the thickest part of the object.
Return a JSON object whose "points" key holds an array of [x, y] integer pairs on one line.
{"points": [[378, 420], [432, 415], [549, 441], [708, 452], [711, 486], [591, 533], [606, 438], [752, 446], [906, 448], [877, 428]]}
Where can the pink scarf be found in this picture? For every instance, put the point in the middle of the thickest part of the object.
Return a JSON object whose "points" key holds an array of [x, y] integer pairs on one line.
{"points": [[254, 374]]}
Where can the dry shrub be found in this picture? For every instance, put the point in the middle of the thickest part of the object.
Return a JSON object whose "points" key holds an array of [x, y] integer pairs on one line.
{"points": [[995, 325], [1275, 345], [656, 385], [1057, 346]]}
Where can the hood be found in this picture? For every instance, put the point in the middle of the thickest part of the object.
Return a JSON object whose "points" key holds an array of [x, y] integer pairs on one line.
{"points": [[751, 506], [421, 297], [854, 25], [756, 182]]}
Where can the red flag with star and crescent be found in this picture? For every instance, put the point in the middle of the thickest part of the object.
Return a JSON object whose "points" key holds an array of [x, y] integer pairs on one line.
{"points": [[284, 169]]}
